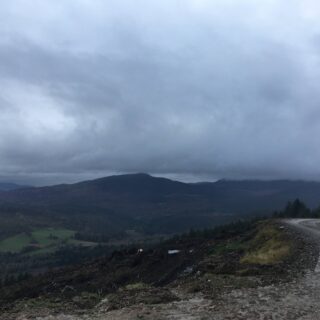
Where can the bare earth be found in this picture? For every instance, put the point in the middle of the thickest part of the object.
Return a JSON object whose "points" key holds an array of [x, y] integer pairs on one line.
{"points": [[299, 299]]}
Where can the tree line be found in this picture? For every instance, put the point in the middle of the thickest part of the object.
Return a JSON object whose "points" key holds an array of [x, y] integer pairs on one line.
{"points": [[297, 209]]}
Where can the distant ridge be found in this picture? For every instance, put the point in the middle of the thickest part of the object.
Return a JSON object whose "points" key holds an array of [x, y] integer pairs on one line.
{"points": [[7, 186], [154, 204]]}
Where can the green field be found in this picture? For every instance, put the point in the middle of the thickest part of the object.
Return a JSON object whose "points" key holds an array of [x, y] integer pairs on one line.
{"points": [[40, 241]]}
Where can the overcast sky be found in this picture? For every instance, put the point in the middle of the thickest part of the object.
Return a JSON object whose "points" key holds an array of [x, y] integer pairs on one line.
{"points": [[192, 89]]}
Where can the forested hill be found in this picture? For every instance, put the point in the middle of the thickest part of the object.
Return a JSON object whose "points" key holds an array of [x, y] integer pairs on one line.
{"points": [[152, 204]]}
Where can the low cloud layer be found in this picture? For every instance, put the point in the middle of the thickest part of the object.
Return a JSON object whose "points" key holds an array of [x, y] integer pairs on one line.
{"points": [[196, 89]]}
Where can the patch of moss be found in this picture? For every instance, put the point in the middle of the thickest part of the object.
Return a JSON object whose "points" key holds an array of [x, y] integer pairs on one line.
{"points": [[136, 286]]}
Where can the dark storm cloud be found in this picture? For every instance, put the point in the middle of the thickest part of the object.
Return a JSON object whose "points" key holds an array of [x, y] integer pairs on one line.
{"points": [[204, 89]]}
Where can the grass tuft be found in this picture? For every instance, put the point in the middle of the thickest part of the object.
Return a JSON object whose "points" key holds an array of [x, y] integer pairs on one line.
{"points": [[269, 246], [136, 286]]}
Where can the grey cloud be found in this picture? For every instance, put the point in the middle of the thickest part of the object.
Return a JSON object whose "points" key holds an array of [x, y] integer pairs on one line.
{"points": [[199, 90]]}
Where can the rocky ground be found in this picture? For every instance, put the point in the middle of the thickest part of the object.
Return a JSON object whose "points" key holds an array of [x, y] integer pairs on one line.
{"points": [[295, 300], [204, 295]]}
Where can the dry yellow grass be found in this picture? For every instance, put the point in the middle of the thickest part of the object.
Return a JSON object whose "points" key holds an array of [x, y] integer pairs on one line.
{"points": [[270, 246]]}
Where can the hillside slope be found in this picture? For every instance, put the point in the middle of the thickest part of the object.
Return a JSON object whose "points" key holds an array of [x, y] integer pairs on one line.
{"points": [[208, 265]]}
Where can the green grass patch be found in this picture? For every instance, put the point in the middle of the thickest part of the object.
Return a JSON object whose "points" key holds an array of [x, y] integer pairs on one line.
{"points": [[136, 286], [15, 243], [232, 246], [40, 241], [49, 236]]}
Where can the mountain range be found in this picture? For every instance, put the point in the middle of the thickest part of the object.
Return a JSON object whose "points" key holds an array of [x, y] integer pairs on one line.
{"points": [[148, 204]]}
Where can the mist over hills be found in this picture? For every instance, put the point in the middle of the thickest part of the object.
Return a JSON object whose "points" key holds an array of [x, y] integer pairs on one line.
{"points": [[149, 204], [8, 186]]}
